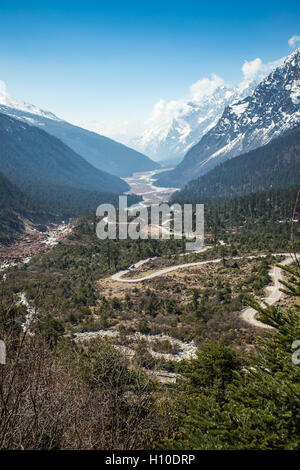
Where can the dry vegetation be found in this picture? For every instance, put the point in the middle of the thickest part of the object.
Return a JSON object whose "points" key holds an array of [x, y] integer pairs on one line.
{"points": [[78, 398], [191, 303]]}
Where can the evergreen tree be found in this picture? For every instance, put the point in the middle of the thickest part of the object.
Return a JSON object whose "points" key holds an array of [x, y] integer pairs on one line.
{"points": [[254, 407]]}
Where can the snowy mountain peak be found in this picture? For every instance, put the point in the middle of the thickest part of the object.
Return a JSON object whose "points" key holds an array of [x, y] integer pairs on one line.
{"points": [[7, 101], [176, 126], [248, 123]]}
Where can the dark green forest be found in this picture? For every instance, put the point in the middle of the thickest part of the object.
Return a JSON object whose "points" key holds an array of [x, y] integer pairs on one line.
{"points": [[240, 391], [228, 401], [275, 165], [225, 398], [44, 203]]}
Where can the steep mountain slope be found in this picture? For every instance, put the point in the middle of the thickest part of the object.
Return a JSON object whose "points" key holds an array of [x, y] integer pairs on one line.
{"points": [[275, 165], [172, 139], [29, 153], [41, 203], [64, 201], [14, 204], [101, 152], [10, 197], [273, 108]]}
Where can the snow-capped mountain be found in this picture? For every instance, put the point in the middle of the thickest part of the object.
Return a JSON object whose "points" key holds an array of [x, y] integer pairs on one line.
{"points": [[272, 109], [101, 152], [10, 102], [174, 137]]}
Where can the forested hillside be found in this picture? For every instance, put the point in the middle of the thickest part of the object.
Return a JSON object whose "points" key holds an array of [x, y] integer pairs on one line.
{"points": [[13, 203], [264, 206], [91, 382], [44, 203], [275, 165]]}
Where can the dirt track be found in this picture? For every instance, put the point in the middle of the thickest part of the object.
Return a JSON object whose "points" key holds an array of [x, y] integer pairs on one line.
{"points": [[248, 314]]}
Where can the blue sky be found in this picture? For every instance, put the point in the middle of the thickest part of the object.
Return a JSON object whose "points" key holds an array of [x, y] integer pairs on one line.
{"points": [[94, 60]]}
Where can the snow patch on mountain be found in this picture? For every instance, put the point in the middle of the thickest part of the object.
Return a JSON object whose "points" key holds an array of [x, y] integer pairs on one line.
{"points": [[295, 92], [238, 109], [272, 109], [176, 126], [8, 101]]}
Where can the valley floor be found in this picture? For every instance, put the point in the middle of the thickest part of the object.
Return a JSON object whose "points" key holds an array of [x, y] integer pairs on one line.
{"points": [[128, 322], [31, 243]]}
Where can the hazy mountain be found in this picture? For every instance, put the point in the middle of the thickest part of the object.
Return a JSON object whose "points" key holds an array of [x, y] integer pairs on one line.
{"points": [[29, 153], [102, 152], [273, 108], [275, 165], [170, 162]]}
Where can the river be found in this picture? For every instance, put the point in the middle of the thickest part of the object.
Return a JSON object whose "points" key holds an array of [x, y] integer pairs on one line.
{"points": [[143, 184], [29, 244]]}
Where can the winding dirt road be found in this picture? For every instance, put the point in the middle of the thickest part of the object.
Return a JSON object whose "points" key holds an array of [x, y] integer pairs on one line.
{"points": [[248, 314]]}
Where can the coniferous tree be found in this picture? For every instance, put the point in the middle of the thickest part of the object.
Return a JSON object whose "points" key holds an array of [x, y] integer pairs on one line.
{"points": [[254, 406]]}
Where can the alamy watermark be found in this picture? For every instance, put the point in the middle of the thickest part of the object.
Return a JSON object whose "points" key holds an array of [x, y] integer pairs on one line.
{"points": [[296, 354], [2, 352], [152, 222]]}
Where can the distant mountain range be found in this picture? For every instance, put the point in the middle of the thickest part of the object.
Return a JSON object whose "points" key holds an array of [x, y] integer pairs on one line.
{"points": [[272, 109], [101, 152], [194, 118], [275, 165]]}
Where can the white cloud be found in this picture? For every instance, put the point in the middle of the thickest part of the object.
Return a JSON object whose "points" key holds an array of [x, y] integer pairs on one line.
{"points": [[161, 116], [3, 93], [205, 87], [293, 41], [122, 130], [256, 70], [269, 67], [250, 68], [2, 88], [164, 111]]}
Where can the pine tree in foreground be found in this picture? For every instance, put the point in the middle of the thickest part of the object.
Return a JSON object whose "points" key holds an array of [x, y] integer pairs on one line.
{"points": [[252, 406]]}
